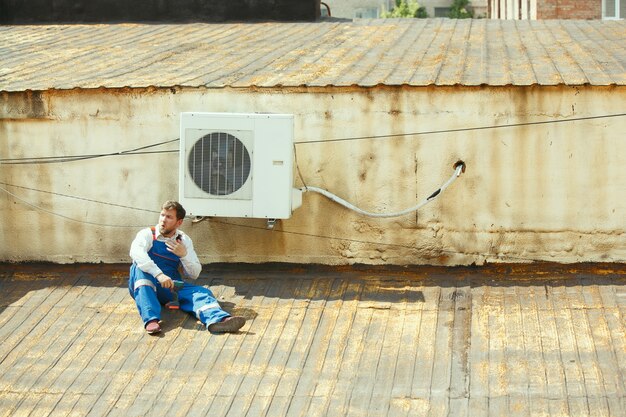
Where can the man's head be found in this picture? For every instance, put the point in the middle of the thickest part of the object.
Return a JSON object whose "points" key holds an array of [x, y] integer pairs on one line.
{"points": [[175, 205], [171, 217]]}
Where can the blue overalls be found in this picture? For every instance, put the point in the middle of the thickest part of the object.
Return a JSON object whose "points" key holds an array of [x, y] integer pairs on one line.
{"points": [[149, 294]]}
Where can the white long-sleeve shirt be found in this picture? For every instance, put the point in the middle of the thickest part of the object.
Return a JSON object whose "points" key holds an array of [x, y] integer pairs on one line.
{"points": [[143, 243]]}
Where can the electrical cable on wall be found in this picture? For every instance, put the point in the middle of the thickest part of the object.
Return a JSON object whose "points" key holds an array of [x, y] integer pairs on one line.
{"points": [[77, 198], [249, 226], [462, 129], [459, 167], [72, 158], [137, 151], [66, 217]]}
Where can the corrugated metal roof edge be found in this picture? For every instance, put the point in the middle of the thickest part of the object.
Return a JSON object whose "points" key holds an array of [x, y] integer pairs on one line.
{"points": [[310, 87]]}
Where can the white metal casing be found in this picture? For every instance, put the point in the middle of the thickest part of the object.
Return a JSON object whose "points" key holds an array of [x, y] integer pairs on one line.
{"points": [[266, 192]]}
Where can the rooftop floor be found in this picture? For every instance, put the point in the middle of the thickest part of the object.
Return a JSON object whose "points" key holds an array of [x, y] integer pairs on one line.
{"points": [[507, 340]]}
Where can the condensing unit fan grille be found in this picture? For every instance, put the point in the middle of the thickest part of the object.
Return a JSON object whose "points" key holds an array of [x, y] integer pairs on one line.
{"points": [[219, 163]]}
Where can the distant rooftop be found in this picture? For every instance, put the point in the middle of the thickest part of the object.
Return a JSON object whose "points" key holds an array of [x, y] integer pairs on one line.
{"points": [[413, 52]]}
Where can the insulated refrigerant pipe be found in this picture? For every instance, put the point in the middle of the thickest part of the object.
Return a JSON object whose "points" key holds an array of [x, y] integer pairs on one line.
{"points": [[459, 168]]}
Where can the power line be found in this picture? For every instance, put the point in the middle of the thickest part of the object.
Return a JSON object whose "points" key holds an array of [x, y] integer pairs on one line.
{"points": [[78, 198], [66, 217], [465, 129], [60, 159], [367, 242], [264, 229]]}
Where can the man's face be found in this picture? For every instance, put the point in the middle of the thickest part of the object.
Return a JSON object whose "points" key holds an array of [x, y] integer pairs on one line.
{"points": [[168, 222]]}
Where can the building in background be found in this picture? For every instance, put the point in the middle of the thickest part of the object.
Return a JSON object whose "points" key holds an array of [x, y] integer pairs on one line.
{"points": [[557, 9], [372, 9], [613, 9], [441, 8], [355, 9], [494, 9]]}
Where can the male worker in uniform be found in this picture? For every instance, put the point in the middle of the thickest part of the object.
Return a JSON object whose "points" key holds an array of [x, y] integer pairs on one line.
{"points": [[159, 256]]}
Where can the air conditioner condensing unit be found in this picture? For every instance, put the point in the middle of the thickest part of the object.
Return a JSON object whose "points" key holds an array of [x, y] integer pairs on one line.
{"points": [[237, 165]]}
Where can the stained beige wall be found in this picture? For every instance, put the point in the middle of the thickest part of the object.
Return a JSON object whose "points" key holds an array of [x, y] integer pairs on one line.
{"points": [[551, 192]]}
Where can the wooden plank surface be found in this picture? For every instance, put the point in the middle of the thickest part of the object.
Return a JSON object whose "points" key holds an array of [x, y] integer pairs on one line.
{"points": [[487, 341]]}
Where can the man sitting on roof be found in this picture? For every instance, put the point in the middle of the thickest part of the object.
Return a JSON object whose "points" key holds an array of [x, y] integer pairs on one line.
{"points": [[159, 255]]}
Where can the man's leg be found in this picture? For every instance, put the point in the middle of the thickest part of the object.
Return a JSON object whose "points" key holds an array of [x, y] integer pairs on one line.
{"points": [[202, 303], [143, 288]]}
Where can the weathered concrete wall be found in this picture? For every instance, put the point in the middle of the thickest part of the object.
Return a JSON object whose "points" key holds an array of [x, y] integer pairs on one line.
{"points": [[538, 192]]}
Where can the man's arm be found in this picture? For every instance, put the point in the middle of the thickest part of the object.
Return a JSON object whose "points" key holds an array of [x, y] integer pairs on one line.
{"points": [[191, 263], [139, 253]]}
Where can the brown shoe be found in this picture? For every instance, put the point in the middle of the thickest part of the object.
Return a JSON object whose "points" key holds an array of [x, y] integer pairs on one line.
{"points": [[153, 327], [228, 325]]}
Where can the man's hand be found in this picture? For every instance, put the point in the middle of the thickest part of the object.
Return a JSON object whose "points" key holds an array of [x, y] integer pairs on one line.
{"points": [[177, 248], [166, 282]]}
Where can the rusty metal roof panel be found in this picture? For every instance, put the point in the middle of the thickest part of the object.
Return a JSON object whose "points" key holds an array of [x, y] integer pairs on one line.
{"points": [[416, 52]]}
